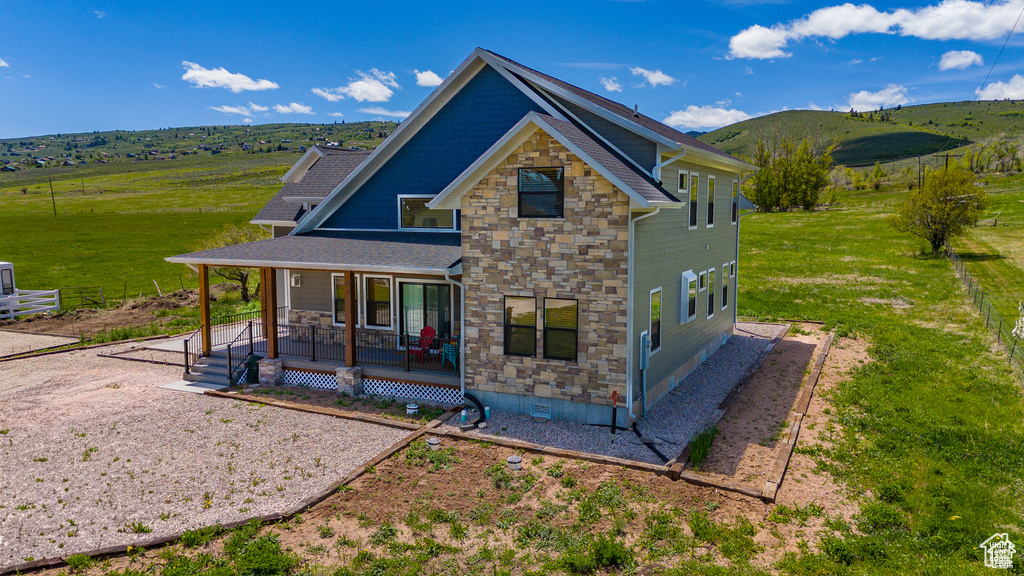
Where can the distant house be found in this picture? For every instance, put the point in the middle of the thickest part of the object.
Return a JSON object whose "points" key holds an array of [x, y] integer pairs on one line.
{"points": [[67, 163], [8, 168], [517, 238]]}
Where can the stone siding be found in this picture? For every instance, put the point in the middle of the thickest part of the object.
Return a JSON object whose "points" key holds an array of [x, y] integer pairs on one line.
{"points": [[310, 318], [582, 257]]}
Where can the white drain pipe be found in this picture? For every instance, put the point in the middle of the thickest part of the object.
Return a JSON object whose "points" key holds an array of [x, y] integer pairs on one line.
{"points": [[462, 328], [629, 313]]}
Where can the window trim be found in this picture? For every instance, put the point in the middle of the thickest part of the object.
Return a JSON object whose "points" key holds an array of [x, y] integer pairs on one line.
{"points": [[702, 285], [685, 279], [709, 198], [334, 299], [505, 325], [544, 329], [362, 302], [711, 293], [693, 217], [519, 192], [735, 201], [400, 197], [725, 285], [650, 317]]}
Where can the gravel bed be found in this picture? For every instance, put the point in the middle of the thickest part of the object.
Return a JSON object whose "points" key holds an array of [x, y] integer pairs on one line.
{"points": [[674, 420], [18, 342], [92, 453]]}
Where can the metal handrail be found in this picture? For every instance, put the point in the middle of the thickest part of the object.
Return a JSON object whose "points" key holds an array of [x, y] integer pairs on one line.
{"points": [[191, 357], [231, 366]]}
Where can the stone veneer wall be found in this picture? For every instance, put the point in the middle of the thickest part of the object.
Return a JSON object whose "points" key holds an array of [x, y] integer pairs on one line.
{"points": [[583, 256], [310, 318]]}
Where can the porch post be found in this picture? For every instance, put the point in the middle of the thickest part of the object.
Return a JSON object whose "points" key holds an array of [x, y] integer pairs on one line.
{"points": [[204, 307], [270, 283], [350, 319]]}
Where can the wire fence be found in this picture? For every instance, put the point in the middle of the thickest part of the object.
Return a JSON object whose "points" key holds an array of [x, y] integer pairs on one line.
{"points": [[1001, 329]]}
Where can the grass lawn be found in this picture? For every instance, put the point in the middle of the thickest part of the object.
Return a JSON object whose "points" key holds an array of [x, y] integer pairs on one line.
{"points": [[929, 433]]}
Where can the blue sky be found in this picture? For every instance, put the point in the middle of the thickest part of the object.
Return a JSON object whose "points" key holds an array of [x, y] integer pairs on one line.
{"points": [[105, 64]]}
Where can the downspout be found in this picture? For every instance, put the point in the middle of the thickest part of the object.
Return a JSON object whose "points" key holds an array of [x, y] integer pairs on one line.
{"points": [[656, 171], [629, 312], [462, 328]]}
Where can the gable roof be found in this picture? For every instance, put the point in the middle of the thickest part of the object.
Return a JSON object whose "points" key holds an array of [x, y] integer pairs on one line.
{"points": [[325, 167], [643, 190], [527, 80]]}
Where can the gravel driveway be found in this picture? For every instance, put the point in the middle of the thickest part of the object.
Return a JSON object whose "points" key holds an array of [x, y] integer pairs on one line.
{"points": [[687, 410], [12, 342], [93, 454]]}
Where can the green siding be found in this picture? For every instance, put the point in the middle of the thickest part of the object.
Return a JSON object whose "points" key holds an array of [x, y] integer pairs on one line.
{"points": [[316, 293], [663, 249]]}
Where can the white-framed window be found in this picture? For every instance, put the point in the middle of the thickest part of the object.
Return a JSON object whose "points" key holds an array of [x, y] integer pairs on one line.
{"points": [[711, 201], [725, 286], [711, 293], [654, 327], [687, 297], [735, 201], [413, 214], [378, 301], [683, 186], [702, 285], [694, 183], [339, 296], [732, 269]]}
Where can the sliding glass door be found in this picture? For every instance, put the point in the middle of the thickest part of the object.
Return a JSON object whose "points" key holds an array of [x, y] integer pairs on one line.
{"points": [[424, 305]]}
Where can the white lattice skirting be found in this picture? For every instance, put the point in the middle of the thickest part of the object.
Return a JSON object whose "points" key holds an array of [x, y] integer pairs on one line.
{"points": [[433, 394], [316, 380]]}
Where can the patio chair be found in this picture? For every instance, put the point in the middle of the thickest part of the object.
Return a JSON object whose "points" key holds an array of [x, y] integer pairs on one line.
{"points": [[423, 345], [450, 352]]}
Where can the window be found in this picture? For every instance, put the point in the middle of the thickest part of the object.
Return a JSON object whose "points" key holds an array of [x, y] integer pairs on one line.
{"points": [[711, 201], [655, 328], [735, 201], [520, 326], [684, 184], [378, 302], [541, 192], [413, 214], [560, 328], [339, 299], [694, 181], [711, 293], [7, 280], [732, 269], [725, 286], [688, 296], [703, 281]]}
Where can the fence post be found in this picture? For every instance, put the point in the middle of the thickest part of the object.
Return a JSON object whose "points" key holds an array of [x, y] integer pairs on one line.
{"points": [[1012, 350]]}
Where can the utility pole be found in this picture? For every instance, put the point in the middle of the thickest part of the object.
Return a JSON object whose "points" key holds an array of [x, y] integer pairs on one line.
{"points": [[52, 198]]}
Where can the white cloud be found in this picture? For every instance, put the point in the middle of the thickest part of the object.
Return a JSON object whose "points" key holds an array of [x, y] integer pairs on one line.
{"points": [[748, 70], [891, 95], [724, 103], [373, 87], [959, 59], [158, 86], [427, 78], [703, 117], [947, 20], [335, 114], [653, 77], [293, 108], [240, 110], [257, 107], [221, 78], [247, 121], [856, 61], [611, 84], [813, 106], [99, 13], [1013, 89], [377, 110], [4, 64]]}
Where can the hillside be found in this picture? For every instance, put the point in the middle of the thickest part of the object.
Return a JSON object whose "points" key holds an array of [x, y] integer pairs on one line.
{"points": [[868, 137], [62, 152]]}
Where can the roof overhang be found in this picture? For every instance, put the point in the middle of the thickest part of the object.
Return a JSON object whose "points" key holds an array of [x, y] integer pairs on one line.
{"points": [[455, 269], [450, 197], [313, 153]]}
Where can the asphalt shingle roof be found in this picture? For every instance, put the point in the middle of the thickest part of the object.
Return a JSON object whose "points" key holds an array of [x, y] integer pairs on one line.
{"points": [[368, 251], [320, 180]]}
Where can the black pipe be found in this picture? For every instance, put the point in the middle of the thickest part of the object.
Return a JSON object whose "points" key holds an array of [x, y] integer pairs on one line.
{"points": [[651, 446], [479, 407], [614, 410]]}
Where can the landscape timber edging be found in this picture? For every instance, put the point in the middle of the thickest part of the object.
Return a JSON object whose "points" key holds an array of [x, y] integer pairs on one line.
{"points": [[347, 414], [788, 442], [265, 518], [50, 350]]}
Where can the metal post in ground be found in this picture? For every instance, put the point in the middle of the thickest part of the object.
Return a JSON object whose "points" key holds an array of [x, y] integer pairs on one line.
{"points": [[186, 356], [1012, 350]]}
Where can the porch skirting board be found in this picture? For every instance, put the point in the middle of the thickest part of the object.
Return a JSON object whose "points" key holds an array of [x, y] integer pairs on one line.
{"points": [[440, 395], [317, 380]]}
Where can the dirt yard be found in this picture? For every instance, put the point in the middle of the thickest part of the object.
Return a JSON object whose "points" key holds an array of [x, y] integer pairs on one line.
{"points": [[93, 453]]}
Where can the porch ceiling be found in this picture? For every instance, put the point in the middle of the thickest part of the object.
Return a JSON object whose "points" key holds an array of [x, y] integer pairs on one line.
{"points": [[392, 252]]}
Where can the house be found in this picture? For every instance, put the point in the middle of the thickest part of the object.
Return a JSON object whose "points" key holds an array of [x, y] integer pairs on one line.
{"points": [[568, 253]]}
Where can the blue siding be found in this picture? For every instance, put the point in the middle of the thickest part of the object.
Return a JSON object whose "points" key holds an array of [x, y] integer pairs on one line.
{"points": [[640, 149], [474, 119]]}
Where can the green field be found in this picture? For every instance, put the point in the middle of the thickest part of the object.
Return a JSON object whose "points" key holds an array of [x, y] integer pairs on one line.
{"points": [[907, 131]]}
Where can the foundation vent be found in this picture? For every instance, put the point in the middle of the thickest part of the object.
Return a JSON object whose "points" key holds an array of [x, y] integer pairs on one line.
{"points": [[539, 410]]}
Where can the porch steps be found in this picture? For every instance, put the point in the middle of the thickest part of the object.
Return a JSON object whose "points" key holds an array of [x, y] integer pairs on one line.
{"points": [[211, 369]]}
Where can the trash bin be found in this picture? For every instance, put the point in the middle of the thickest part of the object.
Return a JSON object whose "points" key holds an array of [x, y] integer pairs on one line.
{"points": [[252, 376]]}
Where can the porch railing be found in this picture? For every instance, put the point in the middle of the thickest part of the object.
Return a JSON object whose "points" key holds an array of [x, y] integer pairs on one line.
{"points": [[193, 349], [373, 348], [244, 337]]}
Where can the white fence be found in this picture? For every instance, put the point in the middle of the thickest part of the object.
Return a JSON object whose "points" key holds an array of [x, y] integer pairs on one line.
{"points": [[24, 302]]}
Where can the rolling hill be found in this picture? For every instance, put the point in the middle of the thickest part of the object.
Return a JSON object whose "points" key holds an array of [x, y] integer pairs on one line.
{"points": [[865, 138]]}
